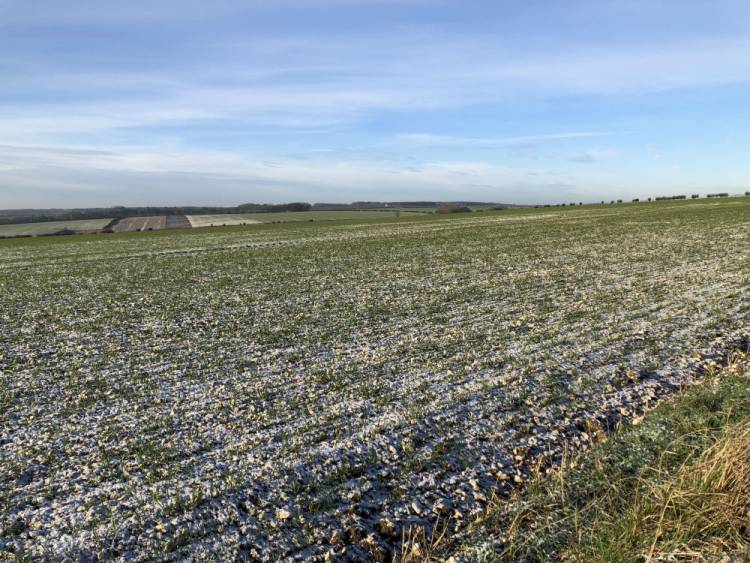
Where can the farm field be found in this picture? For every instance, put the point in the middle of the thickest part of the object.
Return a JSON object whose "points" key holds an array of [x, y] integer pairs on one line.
{"points": [[159, 222], [293, 216], [221, 220], [52, 227], [131, 224], [177, 222], [309, 389]]}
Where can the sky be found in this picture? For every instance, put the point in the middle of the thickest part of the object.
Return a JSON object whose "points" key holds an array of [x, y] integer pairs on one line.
{"points": [[189, 102]]}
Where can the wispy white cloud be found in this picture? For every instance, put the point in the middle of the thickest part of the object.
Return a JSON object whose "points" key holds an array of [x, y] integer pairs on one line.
{"points": [[155, 105], [128, 175], [14, 12], [300, 78], [430, 140], [48, 176], [593, 155], [344, 80]]}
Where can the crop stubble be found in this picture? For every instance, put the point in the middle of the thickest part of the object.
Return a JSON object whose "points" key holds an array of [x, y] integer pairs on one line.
{"points": [[302, 390]]}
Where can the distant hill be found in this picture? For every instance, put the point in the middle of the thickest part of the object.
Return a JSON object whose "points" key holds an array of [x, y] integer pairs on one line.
{"points": [[16, 216]]}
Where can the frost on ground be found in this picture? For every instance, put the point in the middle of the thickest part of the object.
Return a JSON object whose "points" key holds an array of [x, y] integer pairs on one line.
{"points": [[221, 220], [308, 390]]}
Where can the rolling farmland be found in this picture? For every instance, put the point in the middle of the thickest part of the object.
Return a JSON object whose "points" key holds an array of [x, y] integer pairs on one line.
{"points": [[292, 216], [159, 222], [140, 224], [229, 219], [52, 227], [319, 389]]}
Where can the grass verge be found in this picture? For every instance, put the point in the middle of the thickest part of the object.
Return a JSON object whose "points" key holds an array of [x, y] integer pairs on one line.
{"points": [[674, 487]]}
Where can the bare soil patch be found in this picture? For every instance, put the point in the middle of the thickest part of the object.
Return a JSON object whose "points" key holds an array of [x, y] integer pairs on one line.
{"points": [[178, 222], [130, 224]]}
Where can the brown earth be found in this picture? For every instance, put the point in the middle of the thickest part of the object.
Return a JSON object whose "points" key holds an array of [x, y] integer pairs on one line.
{"points": [[178, 222], [130, 224]]}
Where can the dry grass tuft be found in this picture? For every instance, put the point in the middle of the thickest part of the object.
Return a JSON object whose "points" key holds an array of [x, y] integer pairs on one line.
{"points": [[673, 487], [698, 511], [706, 509], [417, 546]]}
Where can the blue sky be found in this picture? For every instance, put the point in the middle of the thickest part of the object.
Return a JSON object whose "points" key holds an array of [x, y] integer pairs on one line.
{"points": [[170, 102]]}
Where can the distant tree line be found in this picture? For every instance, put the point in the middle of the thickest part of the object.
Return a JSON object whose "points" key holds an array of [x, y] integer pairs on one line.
{"points": [[381, 204], [120, 212], [453, 208], [271, 208], [11, 216], [8, 217], [638, 200]]}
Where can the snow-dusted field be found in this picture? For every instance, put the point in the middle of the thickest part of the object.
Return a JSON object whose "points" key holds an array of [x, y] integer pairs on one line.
{"points": [[294, 216], [304, 390], [221, 220]]}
